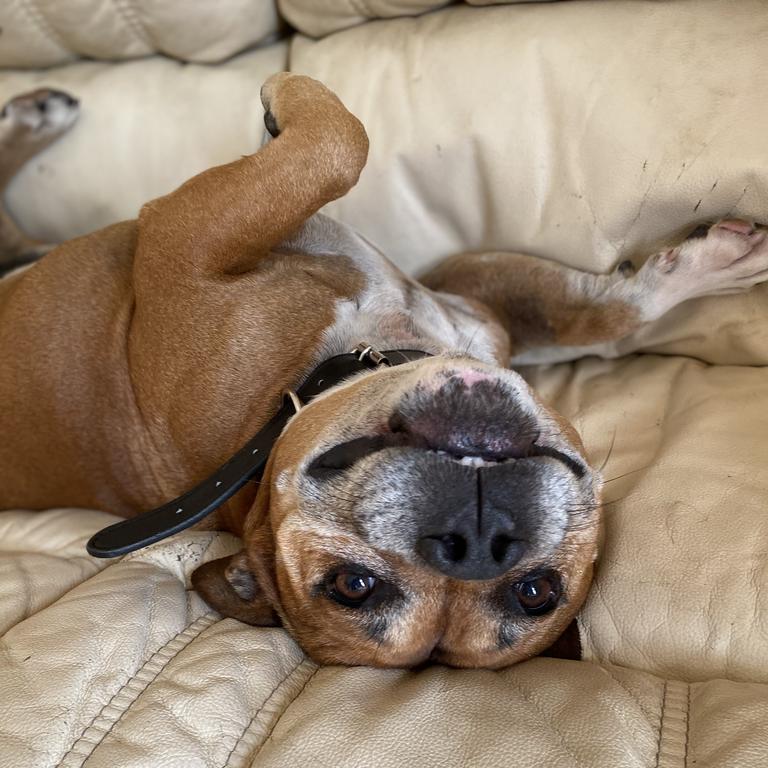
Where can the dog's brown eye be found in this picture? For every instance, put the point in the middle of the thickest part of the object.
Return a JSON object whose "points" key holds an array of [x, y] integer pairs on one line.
{"points": [[539, 594], [352, 589]]}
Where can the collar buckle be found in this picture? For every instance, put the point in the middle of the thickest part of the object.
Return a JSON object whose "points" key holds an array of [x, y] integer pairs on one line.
{"points": [[369, 356]]}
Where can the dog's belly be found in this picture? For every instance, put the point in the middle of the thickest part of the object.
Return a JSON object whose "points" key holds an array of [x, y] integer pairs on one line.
{"points": [[68, 426]]}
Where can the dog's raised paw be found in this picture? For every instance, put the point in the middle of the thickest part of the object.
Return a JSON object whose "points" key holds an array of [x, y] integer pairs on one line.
{"points": [[40, 114], [731, 257]]}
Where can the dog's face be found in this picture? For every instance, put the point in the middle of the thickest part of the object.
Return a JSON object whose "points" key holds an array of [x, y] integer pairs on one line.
{"points": [[435, 510]]}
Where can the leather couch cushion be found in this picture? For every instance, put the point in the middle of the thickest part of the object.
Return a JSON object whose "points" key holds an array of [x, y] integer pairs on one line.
{"points": [[597, 132], [47, 32], [322, 17], [680, 589], [129, 667]]}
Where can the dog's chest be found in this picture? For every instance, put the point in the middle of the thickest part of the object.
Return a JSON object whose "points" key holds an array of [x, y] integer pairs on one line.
{"points": [[391, 310]]}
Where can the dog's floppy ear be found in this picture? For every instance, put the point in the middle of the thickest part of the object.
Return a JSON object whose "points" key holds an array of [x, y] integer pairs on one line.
{"points": [[230, 586], [567, 646]]}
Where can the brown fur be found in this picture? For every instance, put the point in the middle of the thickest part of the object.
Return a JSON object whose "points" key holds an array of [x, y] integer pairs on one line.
{"points": [[533, 300], [168, 311]]}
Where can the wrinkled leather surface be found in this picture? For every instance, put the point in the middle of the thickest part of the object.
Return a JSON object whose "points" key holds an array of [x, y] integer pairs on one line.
{"points": [[580, 131], [42, 33], [559, 136], [322, 17], [126, 666]]}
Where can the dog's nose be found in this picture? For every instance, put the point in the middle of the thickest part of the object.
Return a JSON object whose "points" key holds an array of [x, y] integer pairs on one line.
{"points": [[469, 550]]}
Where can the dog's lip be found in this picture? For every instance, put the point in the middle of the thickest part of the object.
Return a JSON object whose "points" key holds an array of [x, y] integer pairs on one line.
{"points": [[345, 455]]}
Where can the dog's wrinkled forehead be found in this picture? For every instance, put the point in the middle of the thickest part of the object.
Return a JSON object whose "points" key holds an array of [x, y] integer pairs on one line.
{"points": [[434, 510]]}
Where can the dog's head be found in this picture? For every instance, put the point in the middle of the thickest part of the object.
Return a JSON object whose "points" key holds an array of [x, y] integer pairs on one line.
{"points": [[433, 511]]}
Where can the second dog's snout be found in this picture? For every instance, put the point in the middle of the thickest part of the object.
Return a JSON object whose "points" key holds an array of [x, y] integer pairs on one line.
{"points": [[469, 551]]}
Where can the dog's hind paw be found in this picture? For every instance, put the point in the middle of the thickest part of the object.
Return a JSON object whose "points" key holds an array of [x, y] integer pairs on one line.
{"points": [[329, 127], [38, 117], [730, 257]]}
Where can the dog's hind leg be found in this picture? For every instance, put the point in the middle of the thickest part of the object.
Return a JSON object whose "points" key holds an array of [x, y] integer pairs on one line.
{"points": [[28, 124], [223, 221], [553, 313]]}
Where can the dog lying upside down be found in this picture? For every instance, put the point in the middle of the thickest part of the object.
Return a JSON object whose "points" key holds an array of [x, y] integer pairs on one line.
{"points": [[430, 510]]}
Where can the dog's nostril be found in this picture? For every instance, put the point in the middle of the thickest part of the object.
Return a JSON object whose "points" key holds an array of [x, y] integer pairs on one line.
{"points": [[444, 551], [500, 547], [454, 546]]}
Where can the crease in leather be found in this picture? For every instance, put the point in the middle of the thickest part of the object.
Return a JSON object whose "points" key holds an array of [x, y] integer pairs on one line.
{"points": [[65, 592], [249, 746], [672, 749], [125, 697], [546, 717], [632, 695]]}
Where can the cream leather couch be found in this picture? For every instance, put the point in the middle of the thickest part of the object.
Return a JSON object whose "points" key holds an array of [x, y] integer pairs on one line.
{"points": [[581, 131]]}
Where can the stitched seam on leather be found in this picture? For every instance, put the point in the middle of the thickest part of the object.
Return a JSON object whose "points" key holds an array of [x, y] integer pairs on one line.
{"points": [[673, 730], [687, 724], [661, 722], [112, 712], [127, 12], [42, 25], [300, 667]]}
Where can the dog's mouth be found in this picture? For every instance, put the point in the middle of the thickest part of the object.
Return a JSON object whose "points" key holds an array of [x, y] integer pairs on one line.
{"points": [[344, 456], [479, 425]]}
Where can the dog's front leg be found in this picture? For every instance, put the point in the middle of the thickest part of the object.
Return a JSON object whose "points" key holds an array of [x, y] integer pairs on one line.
{"points": [[223, 220], [28, 124], [553, 313]]}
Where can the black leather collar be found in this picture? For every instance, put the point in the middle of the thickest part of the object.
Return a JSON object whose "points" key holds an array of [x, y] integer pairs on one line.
{"points": [[246, 465]]}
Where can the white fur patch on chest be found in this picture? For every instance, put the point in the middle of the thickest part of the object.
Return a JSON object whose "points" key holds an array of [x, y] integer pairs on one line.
{"points": [[392, 311]]}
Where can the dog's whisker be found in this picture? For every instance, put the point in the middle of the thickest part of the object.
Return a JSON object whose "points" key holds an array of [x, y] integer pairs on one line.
{"points": [[626, 474], [610, 451]]}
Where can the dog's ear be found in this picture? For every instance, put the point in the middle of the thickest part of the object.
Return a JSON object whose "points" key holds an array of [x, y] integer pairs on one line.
{"points": [[567, 646], [231, 587]]}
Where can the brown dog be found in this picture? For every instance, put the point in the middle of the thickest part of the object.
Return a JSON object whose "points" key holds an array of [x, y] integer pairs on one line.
{"points": [[433, 510]]}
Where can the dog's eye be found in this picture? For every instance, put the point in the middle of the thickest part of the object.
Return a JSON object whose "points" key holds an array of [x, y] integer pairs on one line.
{"points": [[352, 589], [538, 594]]}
